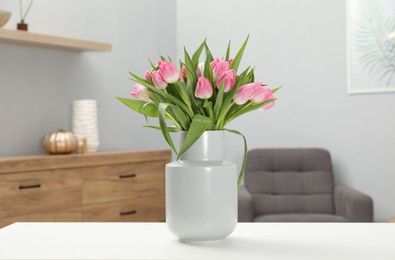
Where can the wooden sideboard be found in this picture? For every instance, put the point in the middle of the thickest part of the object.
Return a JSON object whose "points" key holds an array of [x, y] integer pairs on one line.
{"points": [[97, 187]]}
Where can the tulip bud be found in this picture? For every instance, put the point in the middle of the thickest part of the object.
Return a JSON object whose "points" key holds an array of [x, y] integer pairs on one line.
{"points": [[200, 70], [158, 80], [268, 106], [203, 90], [228, 78], [148, 76], [169, 72], [184, 71], [261, 94], [219, 67], [246, 92], [242, 95], [141, 92]]}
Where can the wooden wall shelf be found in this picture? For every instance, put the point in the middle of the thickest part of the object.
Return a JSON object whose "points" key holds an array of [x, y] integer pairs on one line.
{"points": [[48, 41]]}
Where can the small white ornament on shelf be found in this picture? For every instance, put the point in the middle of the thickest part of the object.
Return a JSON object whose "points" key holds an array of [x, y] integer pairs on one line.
{"points": [[85, 124]]}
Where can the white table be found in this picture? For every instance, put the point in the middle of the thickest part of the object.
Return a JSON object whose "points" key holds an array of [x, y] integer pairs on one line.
{"points": [[154, 241]]}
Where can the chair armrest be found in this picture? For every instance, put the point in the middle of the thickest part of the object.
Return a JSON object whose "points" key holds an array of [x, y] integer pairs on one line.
{"points": [[245, 205], [352, 204]]}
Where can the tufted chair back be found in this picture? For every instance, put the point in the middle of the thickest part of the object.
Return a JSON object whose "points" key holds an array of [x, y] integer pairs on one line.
{"points": [[290, 181]]}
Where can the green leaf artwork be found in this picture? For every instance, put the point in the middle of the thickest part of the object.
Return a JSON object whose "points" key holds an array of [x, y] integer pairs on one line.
{"points": [[374, 39]]}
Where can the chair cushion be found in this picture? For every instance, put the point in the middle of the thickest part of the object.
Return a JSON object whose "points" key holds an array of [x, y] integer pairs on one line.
{"points": [[300, 218], [289, 159], [284, 204], [290, 181]]}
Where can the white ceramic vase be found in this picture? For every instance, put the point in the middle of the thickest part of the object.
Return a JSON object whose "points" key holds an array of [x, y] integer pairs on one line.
{"points": [[201, 191]]}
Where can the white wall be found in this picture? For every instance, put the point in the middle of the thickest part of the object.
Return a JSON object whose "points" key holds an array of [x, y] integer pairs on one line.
{"points": [[302, 46], [37, 85]]}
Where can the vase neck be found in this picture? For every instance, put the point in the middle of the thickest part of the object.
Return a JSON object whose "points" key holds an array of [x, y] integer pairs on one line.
{"points": [[209, 147]]}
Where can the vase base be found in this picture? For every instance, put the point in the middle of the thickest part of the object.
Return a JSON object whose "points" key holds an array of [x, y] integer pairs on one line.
{"points": [[202, 242]]}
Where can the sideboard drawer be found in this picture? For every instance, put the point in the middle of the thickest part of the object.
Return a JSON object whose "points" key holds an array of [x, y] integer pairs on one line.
{"points": [[27, 193], [65, 215], [122, 182], [150, 209]]}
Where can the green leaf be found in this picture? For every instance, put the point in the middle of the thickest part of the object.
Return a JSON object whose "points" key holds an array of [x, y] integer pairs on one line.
{"points": [[199, 106], [144, 108], [180, 117], [192, 98], [182, 90], [243, 166], [239, 55], [226, 104], [208, 71], [163, 125], [247, 78], [208, 53], [208, 105], [170, 129], [218, 102], [152, 65], [190, 68], [228, 52], [149, 110], [198, 52], [244, 73], [198, 126], [275, 89]]}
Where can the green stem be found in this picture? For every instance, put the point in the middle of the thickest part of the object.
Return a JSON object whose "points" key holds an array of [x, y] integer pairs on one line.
{"points": [[221, 121], [155, 99], [174, 121]]}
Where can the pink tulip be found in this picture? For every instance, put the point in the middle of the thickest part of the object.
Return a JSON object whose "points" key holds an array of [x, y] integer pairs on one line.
{"points": [[184, 71], [268, 106], [246, 92], [141, 92], [200, 69], [219, 66], [228, 78], [261, 94], [183, 74], [181, 78], [148, 76], [158, 80], [203, 90], [216, 60], [169, 72], [242, 95]]}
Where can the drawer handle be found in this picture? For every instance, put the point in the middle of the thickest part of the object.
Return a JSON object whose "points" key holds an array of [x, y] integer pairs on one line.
{"points": [[124, 176], [128, 212], [25, 187]]}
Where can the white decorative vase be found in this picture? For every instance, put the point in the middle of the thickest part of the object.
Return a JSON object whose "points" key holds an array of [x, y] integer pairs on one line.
{"points": [[85, 123], [201, 191]]}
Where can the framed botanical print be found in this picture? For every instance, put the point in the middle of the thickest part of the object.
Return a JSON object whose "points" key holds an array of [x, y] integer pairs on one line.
{"points": [[371, 46]]}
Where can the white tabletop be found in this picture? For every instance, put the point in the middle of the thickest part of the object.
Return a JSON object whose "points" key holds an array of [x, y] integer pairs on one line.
{"points": [[154, 241]]}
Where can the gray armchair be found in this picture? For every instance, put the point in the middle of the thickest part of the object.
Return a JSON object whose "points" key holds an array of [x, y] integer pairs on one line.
{"points": [[296, 185]]}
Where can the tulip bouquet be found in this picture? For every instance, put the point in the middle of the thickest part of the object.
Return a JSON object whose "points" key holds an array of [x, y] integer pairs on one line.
{"points": [[198, 96]]}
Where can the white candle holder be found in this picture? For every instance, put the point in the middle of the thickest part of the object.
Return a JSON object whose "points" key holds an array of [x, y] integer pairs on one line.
{"points": [[85, 123]]}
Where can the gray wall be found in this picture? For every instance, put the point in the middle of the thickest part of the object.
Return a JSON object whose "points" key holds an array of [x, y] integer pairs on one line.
{"points": [[302, 46], [37, 85]]}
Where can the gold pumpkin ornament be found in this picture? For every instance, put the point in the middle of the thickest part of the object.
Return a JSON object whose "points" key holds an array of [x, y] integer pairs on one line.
{"points": [[60, 142]]}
